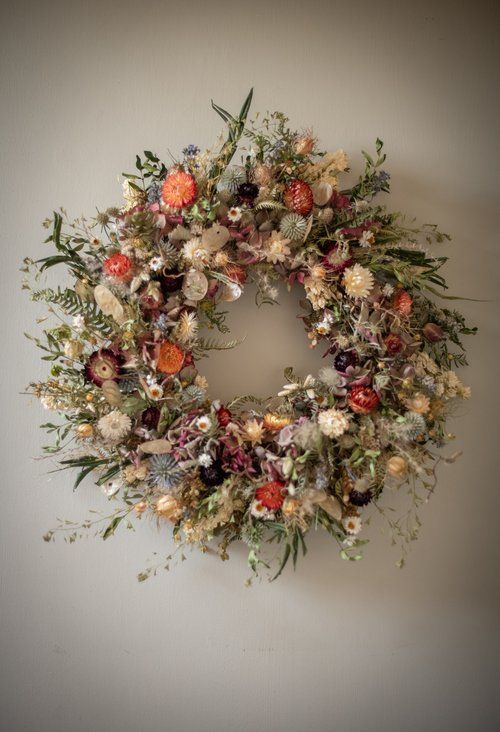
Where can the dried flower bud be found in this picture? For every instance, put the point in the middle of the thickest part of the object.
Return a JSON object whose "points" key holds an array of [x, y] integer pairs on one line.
{"points": [[85, 430], [433, 332], [397, 466]]}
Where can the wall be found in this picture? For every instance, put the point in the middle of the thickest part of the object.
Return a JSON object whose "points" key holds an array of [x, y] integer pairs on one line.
{"points": [[85, 85]]}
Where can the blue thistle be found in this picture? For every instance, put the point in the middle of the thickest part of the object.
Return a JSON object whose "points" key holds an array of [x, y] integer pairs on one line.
{"points": [[191, 151], [164, 471], [154, 193]]}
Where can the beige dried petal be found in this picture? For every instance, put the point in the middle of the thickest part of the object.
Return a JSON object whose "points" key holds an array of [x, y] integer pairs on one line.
{"points": [[109, 304], [215, 237], [156, 447], [111, 393]]}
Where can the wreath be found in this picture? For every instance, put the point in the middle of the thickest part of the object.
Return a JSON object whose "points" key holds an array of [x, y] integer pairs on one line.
{"points": [[151, 280]]}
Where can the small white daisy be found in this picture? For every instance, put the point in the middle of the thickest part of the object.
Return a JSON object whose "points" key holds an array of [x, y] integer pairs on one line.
{"points": [[352, 524], [155, 392], [156, 263], [234, 214], [261, 512], [204, 423], [387, 290]]}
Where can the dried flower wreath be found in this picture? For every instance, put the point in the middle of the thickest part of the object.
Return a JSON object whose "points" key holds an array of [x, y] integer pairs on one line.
{"points": [[152, 274]]}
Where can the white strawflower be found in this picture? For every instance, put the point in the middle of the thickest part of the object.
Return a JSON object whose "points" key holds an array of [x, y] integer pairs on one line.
{"points": [[333, 422], [186, 327], [195, 253], [114, 426], [366, 239], [387, 290], [253, 430], [358, 281], [205, 460], [276, 248]]}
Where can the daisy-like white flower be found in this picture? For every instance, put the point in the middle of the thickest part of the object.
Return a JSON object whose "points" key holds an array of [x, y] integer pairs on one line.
{"points": [[186, 327], [234, 214], [333, 422], [203, 423], [352, 524], [261, 512], [387, 290], [324, 326], [156, 263], [114, 426], [155, 391], [358, 281], [276, 248], [205, 460], [366, 239]]}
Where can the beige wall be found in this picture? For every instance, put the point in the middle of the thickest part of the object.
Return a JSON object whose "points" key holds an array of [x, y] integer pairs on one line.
{"points": [[85, 85]]}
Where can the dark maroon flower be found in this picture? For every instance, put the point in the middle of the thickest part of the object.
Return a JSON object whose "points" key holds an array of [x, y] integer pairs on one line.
{"points": [[247, 193], [360, 498], [212, 475], [170, 282], [344, 359], [150, 418]]}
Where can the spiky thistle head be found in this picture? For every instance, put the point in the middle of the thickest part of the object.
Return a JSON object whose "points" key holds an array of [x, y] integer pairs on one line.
{"points": [[164, 471], [293, 226], [414, 425]]}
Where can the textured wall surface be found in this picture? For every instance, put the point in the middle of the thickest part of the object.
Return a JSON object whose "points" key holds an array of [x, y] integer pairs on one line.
{"points": [[86, 84]]}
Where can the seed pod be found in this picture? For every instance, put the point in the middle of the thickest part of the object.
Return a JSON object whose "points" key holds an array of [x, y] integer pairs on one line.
{"points": [[112, 393]]}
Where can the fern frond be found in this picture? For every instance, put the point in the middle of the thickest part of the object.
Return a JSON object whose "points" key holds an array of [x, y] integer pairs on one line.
{"points": [[72, 304], [270, 206]]}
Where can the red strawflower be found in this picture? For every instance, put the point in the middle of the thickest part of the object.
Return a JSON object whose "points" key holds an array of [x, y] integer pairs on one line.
{"points": [[393, 343], [223, 416], [179, 189], [118, 266], [402, 302], [271, 495], [298, 197], [102, 365], [362, 399]]}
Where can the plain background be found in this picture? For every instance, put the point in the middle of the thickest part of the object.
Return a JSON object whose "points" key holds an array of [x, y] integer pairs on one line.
{"points": [[335, 646]]}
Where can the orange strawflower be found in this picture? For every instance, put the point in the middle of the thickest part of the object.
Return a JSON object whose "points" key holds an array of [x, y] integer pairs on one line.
{"points": [[179, 189]]}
